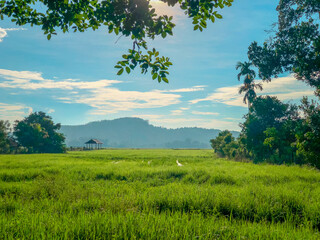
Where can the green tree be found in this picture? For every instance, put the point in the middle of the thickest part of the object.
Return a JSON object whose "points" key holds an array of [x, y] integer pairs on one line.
{"points": [[224, 144], [38, 133], [131, 18], [4, 138], [249, 85], [308, 134], [295, 46], [269, 130]]}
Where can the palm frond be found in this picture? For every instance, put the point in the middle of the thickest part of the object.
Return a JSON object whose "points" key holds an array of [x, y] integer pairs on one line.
{"points": [[259, 86]]}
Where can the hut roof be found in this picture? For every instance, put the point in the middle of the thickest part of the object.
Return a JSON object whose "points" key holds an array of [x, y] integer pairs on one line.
{"points": [[94, 141]]}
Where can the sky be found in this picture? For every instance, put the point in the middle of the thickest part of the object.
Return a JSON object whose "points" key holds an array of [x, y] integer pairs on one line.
{"points": [[72, 77]]}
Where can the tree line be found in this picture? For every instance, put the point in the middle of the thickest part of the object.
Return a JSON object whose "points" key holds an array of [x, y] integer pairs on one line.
{"points": [[36, 133], [274, 131]]}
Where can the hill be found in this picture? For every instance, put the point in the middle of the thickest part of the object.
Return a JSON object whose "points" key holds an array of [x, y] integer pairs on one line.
{"points": [[138, 133]]}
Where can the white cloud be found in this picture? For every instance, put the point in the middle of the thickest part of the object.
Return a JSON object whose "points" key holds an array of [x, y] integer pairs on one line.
{"points": [[19, 76], [4, 32], [13, 112], [285, 88], [50, 110], [99, 94], [201, 86], [176, 112], [204, 113], [182, 90], [147, 116], [34, 80], [112, 100], [171, 122], [195, 122]]}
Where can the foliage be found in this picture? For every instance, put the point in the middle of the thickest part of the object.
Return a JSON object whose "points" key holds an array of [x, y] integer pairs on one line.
{"points": [[269, 130], [274, 131], [38, 133], [295, 46], [249, 85], [308, 135], [131, 18], [225, 145], [4, 136], [143, 194]]}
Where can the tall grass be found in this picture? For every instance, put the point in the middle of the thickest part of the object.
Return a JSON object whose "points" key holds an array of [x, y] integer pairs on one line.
{"points": [[143, 194]]}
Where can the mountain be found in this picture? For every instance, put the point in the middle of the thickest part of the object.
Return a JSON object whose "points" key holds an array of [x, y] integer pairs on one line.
{"points": [[138, 133]]}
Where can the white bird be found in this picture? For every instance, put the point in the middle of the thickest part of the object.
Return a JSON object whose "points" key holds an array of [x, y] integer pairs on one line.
{"points": [[179, 164], [149, 162]]}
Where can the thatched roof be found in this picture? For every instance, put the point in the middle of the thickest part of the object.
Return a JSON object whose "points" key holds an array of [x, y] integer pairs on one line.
{"points": [[94, 141]]}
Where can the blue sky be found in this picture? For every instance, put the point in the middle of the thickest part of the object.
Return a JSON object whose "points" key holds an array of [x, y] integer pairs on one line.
{"points": [[72, 76]]}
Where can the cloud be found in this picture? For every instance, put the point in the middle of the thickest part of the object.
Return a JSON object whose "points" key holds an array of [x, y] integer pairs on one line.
{"points": [[19, 76], [50, 110], [195, 122], [4, 32], [205, 113], [34, 80], [176, 112], [285, 88], [113, 100], [99, 95], [182, 90], [14, 112], [147, 116], [171, 122]]}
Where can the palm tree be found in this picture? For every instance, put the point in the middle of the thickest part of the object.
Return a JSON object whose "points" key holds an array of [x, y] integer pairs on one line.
{"points": [[249, 90], [245, 70], [249, 85]]}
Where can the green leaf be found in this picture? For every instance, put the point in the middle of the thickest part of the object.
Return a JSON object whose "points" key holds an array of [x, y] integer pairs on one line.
{"points": [[154, 76], [49, 36], [128, 70], [120, 71]]}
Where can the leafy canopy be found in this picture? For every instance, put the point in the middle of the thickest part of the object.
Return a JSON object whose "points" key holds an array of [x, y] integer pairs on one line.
{"points": [[4, 136], [295, 45], [268, 130], [136, 19], [38, 133]]}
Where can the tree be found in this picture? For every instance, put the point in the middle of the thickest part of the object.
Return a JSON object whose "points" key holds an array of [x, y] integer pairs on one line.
{"points": [[249, 85], [295, 46], [308, 134], [131, 18], [4, 138], [38, 133], [269, 130], [222, 143]]}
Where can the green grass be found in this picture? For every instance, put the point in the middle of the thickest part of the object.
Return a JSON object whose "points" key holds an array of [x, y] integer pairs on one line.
{"points": [[143, 194]]}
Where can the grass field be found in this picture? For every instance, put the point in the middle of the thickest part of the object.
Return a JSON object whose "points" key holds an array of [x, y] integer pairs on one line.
{"points": [[143, 194]]}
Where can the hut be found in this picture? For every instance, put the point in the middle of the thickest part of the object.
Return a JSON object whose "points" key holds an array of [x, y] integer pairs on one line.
{"points": [[93, 144]]}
